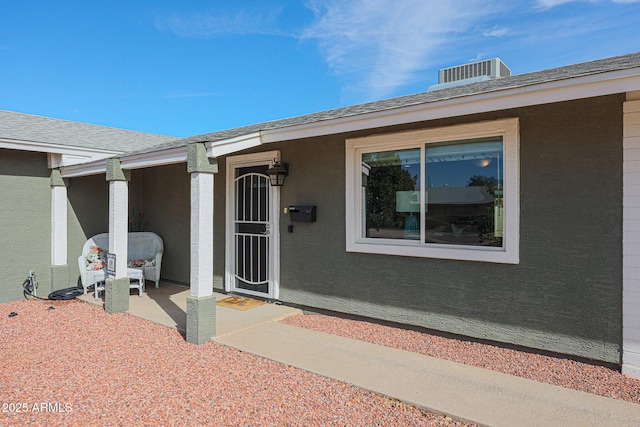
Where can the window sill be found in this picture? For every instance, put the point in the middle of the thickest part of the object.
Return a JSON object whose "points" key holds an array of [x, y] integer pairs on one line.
{"points": [[454, 252]]}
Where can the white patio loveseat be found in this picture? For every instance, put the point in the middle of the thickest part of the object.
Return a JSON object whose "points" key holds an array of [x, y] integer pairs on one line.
{"points": [[144, 252]]}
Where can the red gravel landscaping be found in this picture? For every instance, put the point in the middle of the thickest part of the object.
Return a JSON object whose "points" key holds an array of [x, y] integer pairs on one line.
{"points": [[74, 364], [562, 372]]}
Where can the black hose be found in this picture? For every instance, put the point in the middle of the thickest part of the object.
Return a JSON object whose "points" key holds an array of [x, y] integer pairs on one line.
{"points": [[60, 294], [66, 294]]}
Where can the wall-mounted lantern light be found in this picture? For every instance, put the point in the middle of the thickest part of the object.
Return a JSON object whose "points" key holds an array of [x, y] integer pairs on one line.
{"points": [[277, 172]]}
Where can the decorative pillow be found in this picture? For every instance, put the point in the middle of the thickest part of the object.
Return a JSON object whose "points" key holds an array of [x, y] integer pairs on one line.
{"points": [[137, 263], [95, 266], [97, 258]]}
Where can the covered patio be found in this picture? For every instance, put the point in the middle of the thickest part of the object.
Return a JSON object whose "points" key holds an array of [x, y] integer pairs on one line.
{"points": [[167, 305]]}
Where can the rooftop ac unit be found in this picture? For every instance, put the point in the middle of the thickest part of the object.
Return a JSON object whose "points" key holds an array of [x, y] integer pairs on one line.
{"points": [[468, 73], [493, 68]]}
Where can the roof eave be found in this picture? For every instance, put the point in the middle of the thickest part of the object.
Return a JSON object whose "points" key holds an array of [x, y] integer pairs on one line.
{"points": [[572, 88], [166, 157], [45, 147], [621, 81]]}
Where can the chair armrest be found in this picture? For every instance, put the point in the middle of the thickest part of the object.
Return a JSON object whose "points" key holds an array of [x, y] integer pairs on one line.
{"points": [[82, 265]]}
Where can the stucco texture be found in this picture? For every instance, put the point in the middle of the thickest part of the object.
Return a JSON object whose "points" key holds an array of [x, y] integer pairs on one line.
{"points": [[25, 221], [163, 195], [88, 215], [564, 295]]}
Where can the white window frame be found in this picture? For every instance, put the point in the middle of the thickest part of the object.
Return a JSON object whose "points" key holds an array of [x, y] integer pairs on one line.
{"points": [[509, 253]]}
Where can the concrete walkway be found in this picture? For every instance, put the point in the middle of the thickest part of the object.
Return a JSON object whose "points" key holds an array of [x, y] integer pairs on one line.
{"points": [[460, 391], [167, 305]]}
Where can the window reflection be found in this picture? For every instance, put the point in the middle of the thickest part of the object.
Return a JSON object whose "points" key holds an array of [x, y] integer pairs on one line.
{"points": [[464, 193], [391, 185]]}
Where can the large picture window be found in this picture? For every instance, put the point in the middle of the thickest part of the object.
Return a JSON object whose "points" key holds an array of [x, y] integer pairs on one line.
{"points": [[444, 193]]}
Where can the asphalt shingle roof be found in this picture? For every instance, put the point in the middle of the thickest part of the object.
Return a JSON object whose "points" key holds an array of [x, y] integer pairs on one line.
{"points": [[24, 127], [45, 130], [505, 83]]}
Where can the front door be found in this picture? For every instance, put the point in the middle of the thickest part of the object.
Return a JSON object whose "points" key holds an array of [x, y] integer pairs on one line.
{"points": [[250, 243]]}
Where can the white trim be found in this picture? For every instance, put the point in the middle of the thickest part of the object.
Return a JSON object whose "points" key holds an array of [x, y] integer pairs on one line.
{"points": [[164, 157], [118, 224], [57, 160], [135, 161], [233, 145], [542, 93], [234, 162], [86, 169], [201, 280], [631, 238], [59, 225], [501, 99], [509, 253], [620, 81], [59, 155], [155, 158], [41, 147]]}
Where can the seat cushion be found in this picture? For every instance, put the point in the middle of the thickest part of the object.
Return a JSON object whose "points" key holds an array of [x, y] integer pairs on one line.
{"points": [[137, 263]]}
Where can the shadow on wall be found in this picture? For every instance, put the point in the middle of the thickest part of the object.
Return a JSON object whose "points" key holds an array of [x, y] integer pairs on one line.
{"points": [[88, 215], [163, 194]]}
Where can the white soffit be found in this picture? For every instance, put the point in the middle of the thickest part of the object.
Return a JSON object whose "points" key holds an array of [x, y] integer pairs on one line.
{"points": [[166, 157], [136, 161], [232, 145], [155, 158], [85, 169], [40, 147]]}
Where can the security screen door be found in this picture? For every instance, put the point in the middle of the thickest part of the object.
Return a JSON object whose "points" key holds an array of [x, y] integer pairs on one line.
{"points": [[252, 225]]}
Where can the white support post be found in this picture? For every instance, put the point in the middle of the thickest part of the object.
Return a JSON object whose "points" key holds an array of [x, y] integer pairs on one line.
{"points": [[116, 292], [59, 267], [201, 234], [118, 225], [631, 237], [58, 225], [201, 304]]}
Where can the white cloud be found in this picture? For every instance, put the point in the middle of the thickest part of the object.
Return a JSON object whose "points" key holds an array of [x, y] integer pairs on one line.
{"points": [[378, 45], [211, 24], [548, 4], [496, 32]]}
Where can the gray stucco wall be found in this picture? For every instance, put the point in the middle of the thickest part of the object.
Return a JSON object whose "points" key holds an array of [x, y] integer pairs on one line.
{"points": [[164, 195], [88, 215], [25, 222], [165, 199], [564, 296]]}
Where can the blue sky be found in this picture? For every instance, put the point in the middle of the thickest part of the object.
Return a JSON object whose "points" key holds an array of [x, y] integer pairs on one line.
{"points": [[183, 68]]}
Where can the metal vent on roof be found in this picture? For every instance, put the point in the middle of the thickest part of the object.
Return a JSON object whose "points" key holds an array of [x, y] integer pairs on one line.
{"points": [[468, 73]]}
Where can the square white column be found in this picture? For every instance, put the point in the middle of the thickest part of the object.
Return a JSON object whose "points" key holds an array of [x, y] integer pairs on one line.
{"points": [[201, 234], [58, 225], [118, 224], [631, 238]]}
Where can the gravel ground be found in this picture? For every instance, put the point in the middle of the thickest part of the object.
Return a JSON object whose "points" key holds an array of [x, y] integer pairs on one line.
{"points": [[74, 364], [562, 372]]}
